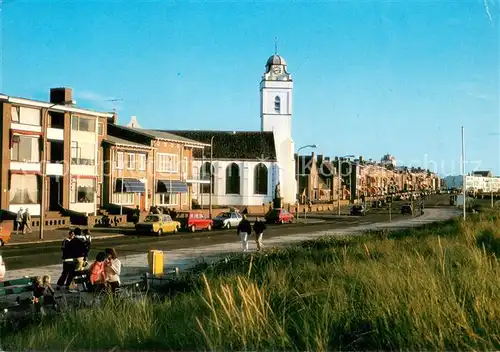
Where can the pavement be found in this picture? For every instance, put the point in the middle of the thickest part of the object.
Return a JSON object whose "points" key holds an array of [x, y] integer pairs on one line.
{"points": [[134, 265]]}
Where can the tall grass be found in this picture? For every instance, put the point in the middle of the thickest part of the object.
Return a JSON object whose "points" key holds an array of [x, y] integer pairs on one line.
{"points": [[432, 288]]}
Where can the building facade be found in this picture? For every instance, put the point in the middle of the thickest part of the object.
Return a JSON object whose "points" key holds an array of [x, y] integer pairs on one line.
{"points": [[473, 183], [50, 145]]}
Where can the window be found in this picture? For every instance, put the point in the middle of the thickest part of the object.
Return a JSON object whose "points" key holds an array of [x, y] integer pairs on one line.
{"points": [[25, 149], [131, 161], [100, 129], [24, 189], [277, 104], [124, 198], [260, 179], [185, 165], [119, 160], [141, 160], [82, 190], [82, 153], [232, 179], [168, 163], [26, 116], [205, 175], [166, 199], [82, 124]]}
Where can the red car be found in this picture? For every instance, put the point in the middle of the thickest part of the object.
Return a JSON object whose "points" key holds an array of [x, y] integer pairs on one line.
{"points": [[278, 216], [194, 220]]}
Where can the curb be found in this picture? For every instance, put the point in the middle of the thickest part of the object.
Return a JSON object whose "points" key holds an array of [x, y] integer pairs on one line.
{"points": [[59, 240]]}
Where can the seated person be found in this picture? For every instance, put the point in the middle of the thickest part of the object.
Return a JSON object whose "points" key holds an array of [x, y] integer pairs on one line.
{"points": [[96, 273]]}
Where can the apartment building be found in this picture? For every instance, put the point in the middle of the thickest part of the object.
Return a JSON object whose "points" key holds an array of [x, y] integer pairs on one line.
{"points": [[51, 145], [146, 167]]}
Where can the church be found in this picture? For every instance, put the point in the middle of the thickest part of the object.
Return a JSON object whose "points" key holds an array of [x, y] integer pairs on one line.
{"points": [[245, 168]]}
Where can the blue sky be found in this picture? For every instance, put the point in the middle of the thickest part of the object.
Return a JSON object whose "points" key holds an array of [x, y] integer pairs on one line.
{"points": [[370, 77]]}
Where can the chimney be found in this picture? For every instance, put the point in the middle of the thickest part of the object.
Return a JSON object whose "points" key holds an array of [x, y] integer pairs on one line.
{"points": [[361, 159], [61, 95], [313, 155]]}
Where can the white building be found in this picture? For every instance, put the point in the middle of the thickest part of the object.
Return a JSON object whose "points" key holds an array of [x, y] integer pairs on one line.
{"points": [[474, 183], [247, 166]]}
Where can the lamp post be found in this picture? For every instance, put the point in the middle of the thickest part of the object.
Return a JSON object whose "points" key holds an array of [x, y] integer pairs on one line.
{"points": [[211, 171], [464, 177], [44, 162], [297, 174], [339, 181]]}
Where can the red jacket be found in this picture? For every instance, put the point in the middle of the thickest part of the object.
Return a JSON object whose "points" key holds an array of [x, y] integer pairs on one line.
{"points": [[96, 272]]}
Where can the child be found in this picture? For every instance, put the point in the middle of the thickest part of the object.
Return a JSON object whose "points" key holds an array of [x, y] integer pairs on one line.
{"points": [[48, 291], [96, 273]]}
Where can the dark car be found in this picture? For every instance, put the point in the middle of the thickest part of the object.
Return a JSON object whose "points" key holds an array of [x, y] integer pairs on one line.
{"points": [[278, 216], [358, 210]]}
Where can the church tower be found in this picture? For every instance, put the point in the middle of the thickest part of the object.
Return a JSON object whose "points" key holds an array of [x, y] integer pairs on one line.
{"points": [[276, 116]]}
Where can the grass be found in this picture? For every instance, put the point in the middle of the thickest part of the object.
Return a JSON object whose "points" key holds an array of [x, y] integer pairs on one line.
{"points": [[431, 288]]}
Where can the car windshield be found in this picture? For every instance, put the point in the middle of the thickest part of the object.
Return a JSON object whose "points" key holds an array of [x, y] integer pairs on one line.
{"points": [[224, 215], [181, 215], [152, 218]]}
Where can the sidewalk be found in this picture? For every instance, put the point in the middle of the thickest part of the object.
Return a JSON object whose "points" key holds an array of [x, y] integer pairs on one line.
{"points": [[60, 234], [136, 265]]}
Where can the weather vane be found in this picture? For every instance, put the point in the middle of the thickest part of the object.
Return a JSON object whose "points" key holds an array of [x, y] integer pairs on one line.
{"points": [[275, 45]]}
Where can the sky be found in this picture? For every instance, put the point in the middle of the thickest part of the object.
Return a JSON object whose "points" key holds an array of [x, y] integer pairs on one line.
{"points": [[370, 77]]}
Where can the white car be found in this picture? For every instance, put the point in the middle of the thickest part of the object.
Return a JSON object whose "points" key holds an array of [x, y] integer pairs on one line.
{"points": [[227, 220]]}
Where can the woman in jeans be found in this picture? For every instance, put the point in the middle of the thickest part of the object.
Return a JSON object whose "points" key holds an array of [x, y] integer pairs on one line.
{"points": [[112, 269]]}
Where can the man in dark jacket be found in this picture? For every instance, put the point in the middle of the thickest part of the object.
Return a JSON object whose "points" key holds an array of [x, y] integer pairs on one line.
{"points": [[84, 237], [259, 227], [244, 229], [71, 248]]}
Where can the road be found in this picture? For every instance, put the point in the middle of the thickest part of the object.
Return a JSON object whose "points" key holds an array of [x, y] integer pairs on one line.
{"points": [[27, 256]]}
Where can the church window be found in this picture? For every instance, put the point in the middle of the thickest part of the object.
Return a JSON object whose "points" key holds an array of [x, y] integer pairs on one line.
{"points": [[277, 104], [232, 179], [260, 174]]}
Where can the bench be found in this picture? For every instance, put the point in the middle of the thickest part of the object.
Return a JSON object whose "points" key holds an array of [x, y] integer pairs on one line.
{"points": [[148, 279], [16, 287]]}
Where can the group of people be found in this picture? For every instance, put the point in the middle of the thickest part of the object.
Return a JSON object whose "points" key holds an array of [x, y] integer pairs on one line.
{"points": [[23, 221], [245, 229], [103, 274]]}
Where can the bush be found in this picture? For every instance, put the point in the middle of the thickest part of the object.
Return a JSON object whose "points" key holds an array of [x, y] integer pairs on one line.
{"points": [[427, 289]]}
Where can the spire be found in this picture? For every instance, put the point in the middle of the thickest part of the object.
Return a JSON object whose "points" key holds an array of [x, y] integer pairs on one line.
{"points": [[275, 45]]}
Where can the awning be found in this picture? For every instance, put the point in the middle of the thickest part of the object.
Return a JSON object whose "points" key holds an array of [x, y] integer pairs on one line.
{"points": [[171, 186], [130, 185]]}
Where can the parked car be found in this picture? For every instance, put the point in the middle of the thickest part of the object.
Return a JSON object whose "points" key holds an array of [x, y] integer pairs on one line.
{"points": [[5, 231], [157, 224], [226, 220], [194, 220], [357, 210], [406, 209], [278, 216]]}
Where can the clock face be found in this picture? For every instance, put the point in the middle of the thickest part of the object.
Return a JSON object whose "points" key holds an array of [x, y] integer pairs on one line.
{"points": [[277, 70]]}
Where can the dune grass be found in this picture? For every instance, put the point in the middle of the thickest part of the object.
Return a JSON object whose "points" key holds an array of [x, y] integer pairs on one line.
{"points": [[431, 288]]}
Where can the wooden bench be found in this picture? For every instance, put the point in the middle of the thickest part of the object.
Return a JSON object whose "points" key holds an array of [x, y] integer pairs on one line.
{"points": [[16, 287]]}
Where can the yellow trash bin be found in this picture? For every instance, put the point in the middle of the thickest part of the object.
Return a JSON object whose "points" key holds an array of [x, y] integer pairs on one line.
{"points": [[155, 261]]}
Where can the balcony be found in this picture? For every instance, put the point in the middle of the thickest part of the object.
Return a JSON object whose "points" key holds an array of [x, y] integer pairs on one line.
{"points": [[55, 169], [198, 179], [55, 134], [26, 127], [25, 166]]}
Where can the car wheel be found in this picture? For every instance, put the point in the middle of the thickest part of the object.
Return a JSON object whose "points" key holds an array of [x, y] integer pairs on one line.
{"points": [[160, 232], [281, 222], [192, 228], [176, 229], [209, 228], [228, 225], [2, 243]]}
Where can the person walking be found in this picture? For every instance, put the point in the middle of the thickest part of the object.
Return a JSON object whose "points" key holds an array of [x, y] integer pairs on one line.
{"points": [[67, 259], [244, 229], [259, 227], [26, 221], [19, 220]]}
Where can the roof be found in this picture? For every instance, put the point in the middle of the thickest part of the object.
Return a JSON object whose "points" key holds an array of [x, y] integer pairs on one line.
{"points": [[123, 142], [276, 60], [482, 173], [170, 136], [234, 145]]}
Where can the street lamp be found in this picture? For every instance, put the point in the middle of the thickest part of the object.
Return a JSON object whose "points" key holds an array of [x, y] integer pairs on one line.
{"points": [[211, 171], [297, 172], [340, 181], [44, 162]]}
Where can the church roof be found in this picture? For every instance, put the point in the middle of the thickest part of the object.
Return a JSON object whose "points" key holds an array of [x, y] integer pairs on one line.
{"points": [[234, 145]]}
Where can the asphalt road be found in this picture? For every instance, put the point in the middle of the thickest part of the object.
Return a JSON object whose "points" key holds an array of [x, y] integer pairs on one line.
{"points": [[31, 255]]}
